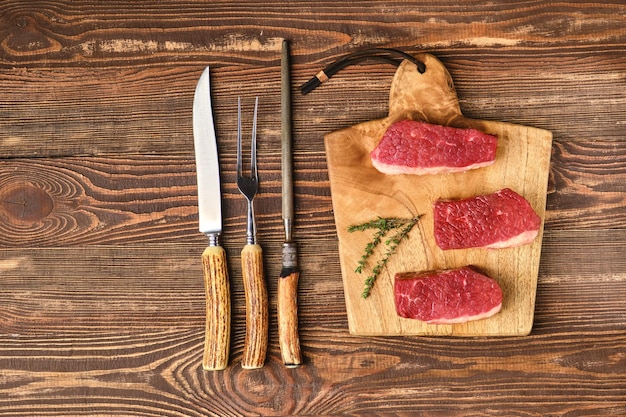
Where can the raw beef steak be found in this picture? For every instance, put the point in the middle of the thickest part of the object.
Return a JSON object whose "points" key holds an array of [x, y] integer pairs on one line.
{"points": [[445, 297], [411, 147], [503, 219]]}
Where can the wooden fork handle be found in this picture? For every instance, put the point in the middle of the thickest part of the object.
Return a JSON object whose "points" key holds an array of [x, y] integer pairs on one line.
{"points": [[257, 311]]}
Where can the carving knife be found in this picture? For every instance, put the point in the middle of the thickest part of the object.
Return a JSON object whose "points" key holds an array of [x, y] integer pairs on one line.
{"points": [[216, 283], [288, 282]]}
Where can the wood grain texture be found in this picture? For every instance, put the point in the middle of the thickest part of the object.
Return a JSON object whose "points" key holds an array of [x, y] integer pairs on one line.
{"points": [[141, 329], [97, 181]]}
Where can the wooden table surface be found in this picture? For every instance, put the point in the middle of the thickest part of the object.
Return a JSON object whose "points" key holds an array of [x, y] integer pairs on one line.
{"points": [[102, 301]]}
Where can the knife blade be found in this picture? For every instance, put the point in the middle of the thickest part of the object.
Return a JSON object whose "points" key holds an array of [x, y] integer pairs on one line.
{"points": [[216, 281], [288, 282]]}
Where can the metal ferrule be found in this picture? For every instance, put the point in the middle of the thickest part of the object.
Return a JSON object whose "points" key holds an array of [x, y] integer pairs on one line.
{"points": [[251, 225], [290, 255], [214, 239]]}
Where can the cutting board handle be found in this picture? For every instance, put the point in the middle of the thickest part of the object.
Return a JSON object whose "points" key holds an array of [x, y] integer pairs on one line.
{"points": [[429, 96]]}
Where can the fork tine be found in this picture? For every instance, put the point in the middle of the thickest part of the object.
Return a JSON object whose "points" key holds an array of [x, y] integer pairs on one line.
{"points": [[248, 184], [239, 164], [253, 146]]}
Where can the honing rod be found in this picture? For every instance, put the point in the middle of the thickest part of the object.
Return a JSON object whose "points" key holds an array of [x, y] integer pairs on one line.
{"points": [[288, 282]]}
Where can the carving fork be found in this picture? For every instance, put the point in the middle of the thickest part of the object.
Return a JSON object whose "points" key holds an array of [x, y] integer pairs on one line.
{"points": [[255, 346]]}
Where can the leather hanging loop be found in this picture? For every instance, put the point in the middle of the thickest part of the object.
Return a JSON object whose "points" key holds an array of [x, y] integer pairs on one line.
{"points": [[387, 55]]}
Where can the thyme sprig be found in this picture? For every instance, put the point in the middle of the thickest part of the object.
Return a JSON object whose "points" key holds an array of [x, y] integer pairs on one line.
{"points": [[383, 227]]}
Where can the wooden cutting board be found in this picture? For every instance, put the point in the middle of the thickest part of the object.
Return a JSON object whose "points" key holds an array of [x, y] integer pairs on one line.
{"points": [[360, 193]]}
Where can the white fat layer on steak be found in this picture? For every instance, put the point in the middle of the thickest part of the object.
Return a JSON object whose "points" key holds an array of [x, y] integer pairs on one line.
{"points": [[390, 169], [519, 240], [464, 319]]}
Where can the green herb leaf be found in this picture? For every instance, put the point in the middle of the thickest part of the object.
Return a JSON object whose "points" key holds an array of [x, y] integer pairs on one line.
{"points": [[383, 227]]}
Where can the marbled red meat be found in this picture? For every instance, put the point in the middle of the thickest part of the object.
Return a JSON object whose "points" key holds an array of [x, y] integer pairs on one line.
{"points": [[503, 219], [448, 296], [411, 147]]}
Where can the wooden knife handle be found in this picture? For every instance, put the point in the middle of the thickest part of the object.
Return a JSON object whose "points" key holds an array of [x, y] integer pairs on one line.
{"points": [[288, 317], [257, 311], [217, 287]]}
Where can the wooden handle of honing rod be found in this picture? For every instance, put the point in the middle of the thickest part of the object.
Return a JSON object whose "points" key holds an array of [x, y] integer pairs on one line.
{"points": [[288, 317], [257, 311], [288, 281], [217, 287]]}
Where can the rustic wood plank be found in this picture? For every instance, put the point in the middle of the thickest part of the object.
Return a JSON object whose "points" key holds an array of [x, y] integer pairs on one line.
{"points": [[148, 110], [100, 200], [140, 373], [156, 286], [55, 34], [113, 314], [590, 172], [74, 201], [95, 86], [149, 374], [147, 286]]}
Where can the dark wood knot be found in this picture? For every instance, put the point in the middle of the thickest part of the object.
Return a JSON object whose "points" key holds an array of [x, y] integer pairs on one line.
{"points": [[24, 204]]}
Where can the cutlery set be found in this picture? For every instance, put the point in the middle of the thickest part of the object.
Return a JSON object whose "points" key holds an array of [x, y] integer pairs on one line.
{"points": [[215, 268]]}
